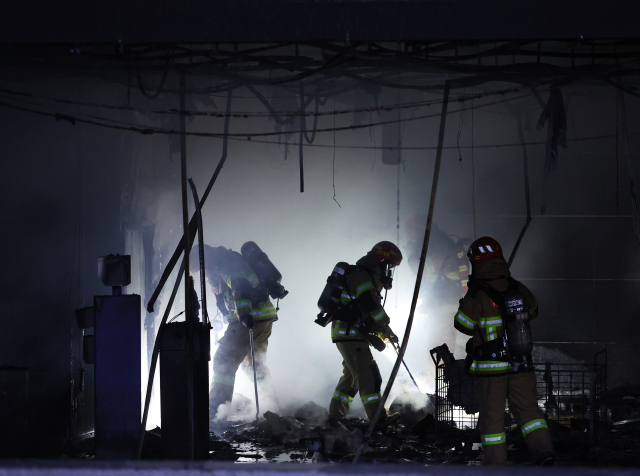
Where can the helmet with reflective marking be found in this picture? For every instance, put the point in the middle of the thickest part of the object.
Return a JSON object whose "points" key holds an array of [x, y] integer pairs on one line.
{"points": [[387, 253], [484, 249]]}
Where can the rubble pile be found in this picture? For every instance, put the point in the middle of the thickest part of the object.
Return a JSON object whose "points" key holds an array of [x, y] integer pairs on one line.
{"points": [[614, 443], [303, 438], [308, 436]]}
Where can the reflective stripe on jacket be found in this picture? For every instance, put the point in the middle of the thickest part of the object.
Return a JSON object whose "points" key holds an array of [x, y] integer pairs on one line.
{"points": [[480, 317], [241, 280], [365, 279]]}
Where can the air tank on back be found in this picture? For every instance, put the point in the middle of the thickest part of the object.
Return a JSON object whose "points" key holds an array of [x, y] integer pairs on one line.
{"points": [[264, 268], [329, 301], [517, 324]]}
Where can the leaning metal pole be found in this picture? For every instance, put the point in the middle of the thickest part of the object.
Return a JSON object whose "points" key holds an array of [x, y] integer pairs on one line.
{"points": [[154, 360], [406, 367], [192, 224], [255, 379], [203, 290], [423, 257]]}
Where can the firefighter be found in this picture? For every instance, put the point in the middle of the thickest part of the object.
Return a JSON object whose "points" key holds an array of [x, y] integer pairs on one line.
{"points": [[503, 368], [249, 307], [444, 282], [365, 324]]}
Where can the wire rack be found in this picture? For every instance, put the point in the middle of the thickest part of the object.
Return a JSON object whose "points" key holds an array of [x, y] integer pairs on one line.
{"points": [[573, 395]]}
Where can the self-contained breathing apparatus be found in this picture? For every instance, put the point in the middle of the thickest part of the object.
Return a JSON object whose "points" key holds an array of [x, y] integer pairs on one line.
{"points": [[333, 308], [517, 344], [330, 304], [264, 268], [268, 277]]}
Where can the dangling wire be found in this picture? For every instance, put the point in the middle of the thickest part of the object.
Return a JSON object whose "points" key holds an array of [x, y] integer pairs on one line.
{"points": [[617, 150], [473, 172], [162, 81], [460, 128], [334, 152]]}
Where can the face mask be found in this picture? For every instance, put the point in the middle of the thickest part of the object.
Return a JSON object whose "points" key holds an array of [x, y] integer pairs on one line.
{"points": [[387, 275]]}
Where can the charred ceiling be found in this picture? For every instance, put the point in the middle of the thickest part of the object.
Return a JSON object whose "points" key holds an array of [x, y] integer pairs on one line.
{"points": [[304, 20], [313, 71]]}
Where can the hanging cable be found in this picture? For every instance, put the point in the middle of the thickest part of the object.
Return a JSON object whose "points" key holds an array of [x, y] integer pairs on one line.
{"points": [[473, 172], [270, 112], [526, 192], [124, 126], [618, 92], [460, 131], [315, 123], [301, 140], [164, 78], [334, 154]]}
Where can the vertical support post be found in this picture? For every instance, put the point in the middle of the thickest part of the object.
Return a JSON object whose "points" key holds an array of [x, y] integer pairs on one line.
{"points": [[185, 228], [592, 405], [632, 179], [303, 126]]}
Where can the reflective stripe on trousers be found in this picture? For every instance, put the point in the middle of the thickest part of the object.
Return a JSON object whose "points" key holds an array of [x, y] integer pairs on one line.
{"points": [[494, 439], [533, 426], [224, 379], [366, 399], [342, 397]]}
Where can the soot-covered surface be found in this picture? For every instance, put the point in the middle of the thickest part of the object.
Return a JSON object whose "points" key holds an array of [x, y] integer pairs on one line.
{"points": [[308, 436]]}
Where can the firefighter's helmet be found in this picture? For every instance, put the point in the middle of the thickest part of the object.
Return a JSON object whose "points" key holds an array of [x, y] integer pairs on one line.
{"points": [[387, 253], [484, 249], [213, 257]]}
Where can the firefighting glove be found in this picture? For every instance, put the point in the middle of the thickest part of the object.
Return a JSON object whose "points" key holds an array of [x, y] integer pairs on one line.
{"points": [[389, 334], [376, 342], [247, 320]]}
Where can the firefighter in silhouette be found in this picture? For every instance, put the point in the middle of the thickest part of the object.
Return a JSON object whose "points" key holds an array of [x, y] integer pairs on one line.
{"points": [[444, 282], [245, 301], [496, 311], [365, 323]]}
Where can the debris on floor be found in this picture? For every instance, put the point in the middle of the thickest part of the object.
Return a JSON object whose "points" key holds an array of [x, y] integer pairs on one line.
{"points": [[308, 436]]}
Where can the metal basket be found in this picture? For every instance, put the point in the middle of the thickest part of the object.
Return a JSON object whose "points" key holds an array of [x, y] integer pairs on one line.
{"points": [[573, 395]]}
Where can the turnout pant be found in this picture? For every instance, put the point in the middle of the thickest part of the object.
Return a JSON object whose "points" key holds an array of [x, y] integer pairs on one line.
{"points": [[360, 373], [234, 349], [520, 390]]}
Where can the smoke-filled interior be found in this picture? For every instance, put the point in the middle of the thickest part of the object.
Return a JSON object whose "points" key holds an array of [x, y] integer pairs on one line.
{"points": [[329, 150]]}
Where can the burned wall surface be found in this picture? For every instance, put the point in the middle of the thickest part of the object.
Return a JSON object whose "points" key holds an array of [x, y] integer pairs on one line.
{"points": [[73, 192]]}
